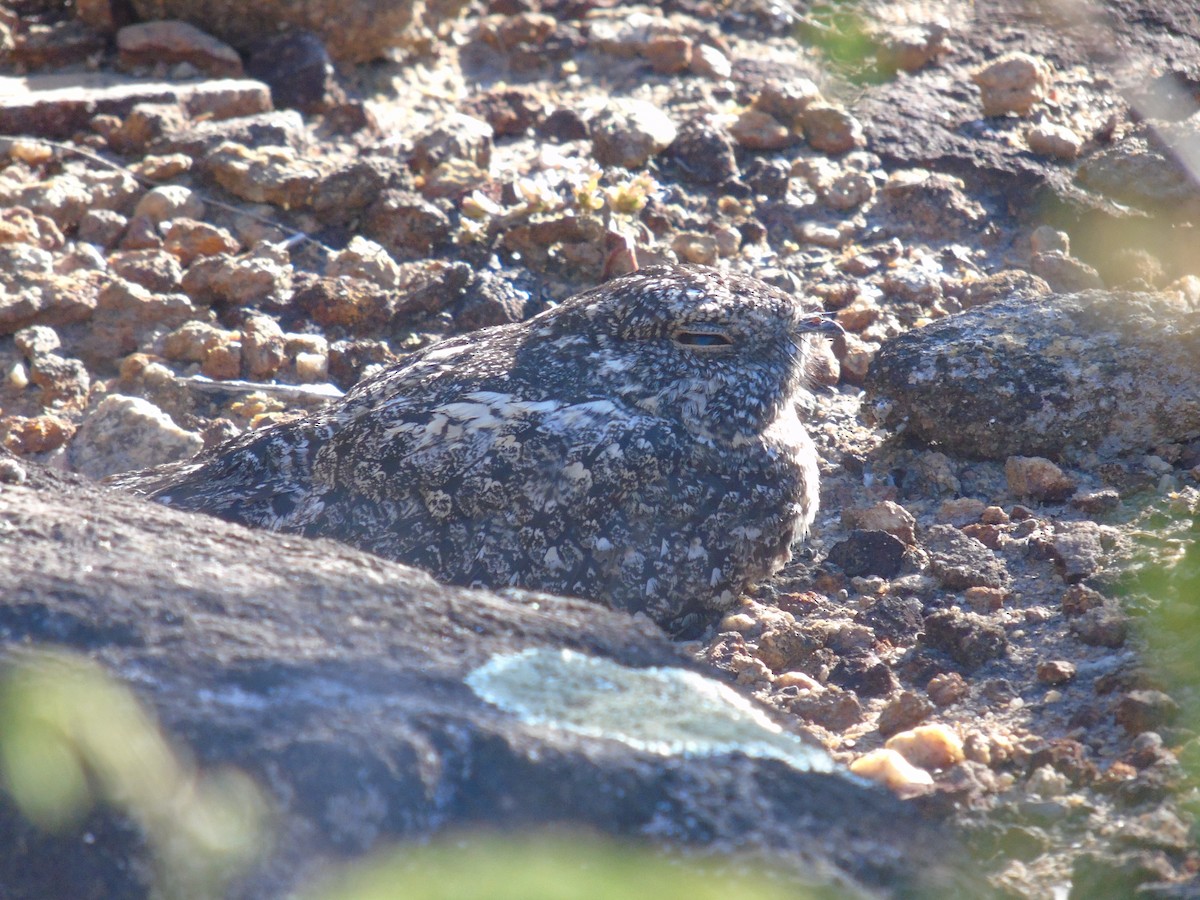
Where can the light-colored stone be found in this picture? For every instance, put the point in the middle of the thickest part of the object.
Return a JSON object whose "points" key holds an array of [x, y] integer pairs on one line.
{"points": [[929, 747], [124, 433]]}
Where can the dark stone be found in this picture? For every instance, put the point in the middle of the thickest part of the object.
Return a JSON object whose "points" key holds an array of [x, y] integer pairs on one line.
{"points": [[907, 711], [769, 177], [1096, 503], [297, 68], [704, 152], [1145, 710], [335, 680], [1103, 626], [509, 111], [1069, 757], [348, 359], [969, 639], [490, 300], [832, 708], [405, 224], [868, 553], [897, 619], [564, 125], [865, 674]]}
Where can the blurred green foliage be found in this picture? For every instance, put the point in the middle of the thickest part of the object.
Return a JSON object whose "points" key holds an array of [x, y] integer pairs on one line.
{"points": [[549, 867], [72, 737]]}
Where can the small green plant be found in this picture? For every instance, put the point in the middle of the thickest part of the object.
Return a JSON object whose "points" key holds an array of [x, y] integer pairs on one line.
{"points": [[72, 737], [480, 867]]}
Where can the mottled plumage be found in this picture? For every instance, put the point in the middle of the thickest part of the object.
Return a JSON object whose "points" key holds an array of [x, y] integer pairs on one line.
{"points": [[637, 445]]}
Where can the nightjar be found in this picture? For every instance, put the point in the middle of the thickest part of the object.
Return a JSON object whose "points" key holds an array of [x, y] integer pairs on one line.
{"points": [[637, 445]]}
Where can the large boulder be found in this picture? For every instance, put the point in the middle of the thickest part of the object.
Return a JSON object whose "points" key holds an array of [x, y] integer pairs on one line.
{"points": [[373, 705]]}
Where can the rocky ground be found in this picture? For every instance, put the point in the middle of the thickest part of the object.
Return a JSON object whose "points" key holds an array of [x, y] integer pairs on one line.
{"points": [[998, 202]]}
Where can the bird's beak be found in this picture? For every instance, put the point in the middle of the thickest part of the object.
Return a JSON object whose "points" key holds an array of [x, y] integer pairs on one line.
{"points": [[821, 323]]}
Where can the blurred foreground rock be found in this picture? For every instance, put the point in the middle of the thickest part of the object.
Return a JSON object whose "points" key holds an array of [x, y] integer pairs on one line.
{"points": [[336, 680]]}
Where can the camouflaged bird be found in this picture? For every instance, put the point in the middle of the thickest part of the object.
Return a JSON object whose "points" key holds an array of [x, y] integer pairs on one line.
{"points": [[637, 445]]}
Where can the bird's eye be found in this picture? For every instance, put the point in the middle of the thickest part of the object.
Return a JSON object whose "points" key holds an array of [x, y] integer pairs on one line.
{"points": [[702, 339]]}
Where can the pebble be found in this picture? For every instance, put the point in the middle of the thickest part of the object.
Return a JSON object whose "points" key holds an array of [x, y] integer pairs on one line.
{"points": [[1102, 627], [831, 707], [883, 516], [801, 680], [969, 639], [629, 132], [1014, 83], [960, 562], [691, 247], [1039, 479], [169, 201], [787, 647], [312, 368], [1145, 710], [263, 274], [889, 768], [830, 129], [11, 471], [848, 190], [263, 174], [930, 747], [145, 125], [192, 341], [365, 259], [1065, 274], [947, 688], [37, 434], [912, 47], [757, 130], [124, 433], [788, 100], [102, 227], [668, 53], [868, 553], [1097, 503], [149, 44], [154, 269], [34, 340], [985, 599], [960, 511], [1079, 598], [1055, 671], [1057, 141], [857, 358], [63, 381], [709, 62], [1079, 549], [188, 240], [405, 223], [894, 618], [903, 712], [458, 137], [263, 347]]}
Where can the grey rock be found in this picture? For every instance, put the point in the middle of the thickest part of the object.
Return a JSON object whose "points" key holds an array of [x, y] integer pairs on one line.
{"points": [[339, 681], [628, 132], [1061, 377], [959, 561]]}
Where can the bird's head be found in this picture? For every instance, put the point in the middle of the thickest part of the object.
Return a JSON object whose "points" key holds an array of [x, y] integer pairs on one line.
{"points": [[722, 352]]}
